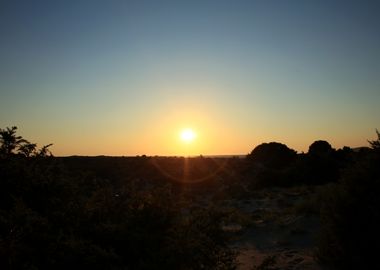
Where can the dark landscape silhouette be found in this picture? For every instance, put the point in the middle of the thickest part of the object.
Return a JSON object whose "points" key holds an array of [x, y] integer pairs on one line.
{"points": [[273, 209], [189, 135]]}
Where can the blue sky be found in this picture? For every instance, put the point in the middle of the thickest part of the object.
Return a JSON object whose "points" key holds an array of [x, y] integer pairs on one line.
{"points": [[122, 77]]}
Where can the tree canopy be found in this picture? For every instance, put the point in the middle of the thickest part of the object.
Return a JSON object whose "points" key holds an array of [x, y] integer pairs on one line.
{"points": [[272, 155], [12, 144]]}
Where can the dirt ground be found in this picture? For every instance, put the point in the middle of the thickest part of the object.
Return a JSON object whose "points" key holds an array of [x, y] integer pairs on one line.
{"points": [[277, 230]]}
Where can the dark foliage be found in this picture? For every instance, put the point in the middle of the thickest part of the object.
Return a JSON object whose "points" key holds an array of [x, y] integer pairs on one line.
{"points": [[61, 214], [375, 144], [269, 164], [322, 164], [350, 217], [320, 148], [11, 144], [156, 213], [272, 155]]}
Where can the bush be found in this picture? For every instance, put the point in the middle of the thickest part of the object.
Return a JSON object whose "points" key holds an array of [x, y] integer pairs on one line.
{"points": [[350, 218], [55, 218], [272, 155]]}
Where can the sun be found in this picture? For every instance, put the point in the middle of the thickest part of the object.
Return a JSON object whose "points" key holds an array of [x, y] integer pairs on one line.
{"points": [[188, 135]]}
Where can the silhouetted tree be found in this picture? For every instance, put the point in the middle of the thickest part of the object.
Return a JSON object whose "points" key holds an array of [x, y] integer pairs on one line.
{"points": [[269, 163], [376, 143], [11, 144], [320, 148], [350, 216], [27, 149], [272, 155], [320, 165], [9, 141], [344, 157], [44, 151]]}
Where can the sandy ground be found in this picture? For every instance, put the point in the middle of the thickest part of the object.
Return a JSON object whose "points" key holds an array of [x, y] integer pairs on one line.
{"points": [[275, 235]]}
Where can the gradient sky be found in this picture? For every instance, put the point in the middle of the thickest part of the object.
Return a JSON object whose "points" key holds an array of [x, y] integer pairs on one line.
{"points": [[124, 77]]}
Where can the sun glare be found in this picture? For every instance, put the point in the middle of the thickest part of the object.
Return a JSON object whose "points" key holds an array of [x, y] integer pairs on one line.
{"points": [[187, 135]]}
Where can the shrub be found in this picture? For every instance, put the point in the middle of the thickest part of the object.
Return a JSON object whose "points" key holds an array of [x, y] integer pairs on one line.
{"points": [[350, 218]]}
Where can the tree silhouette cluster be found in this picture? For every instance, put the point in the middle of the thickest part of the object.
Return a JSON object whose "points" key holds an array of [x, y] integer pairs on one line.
{"points": [[350, 219], [53, 216], [350, 202], [274, 164], [11, 144], [151, 212]]}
